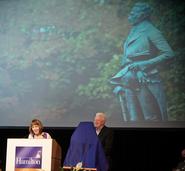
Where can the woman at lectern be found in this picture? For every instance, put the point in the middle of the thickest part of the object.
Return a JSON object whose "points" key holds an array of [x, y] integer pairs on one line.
{"points": [[36, 130]]}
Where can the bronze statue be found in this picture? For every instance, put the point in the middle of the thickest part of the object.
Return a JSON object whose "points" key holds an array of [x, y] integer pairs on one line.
{"points": [[138, 83]]}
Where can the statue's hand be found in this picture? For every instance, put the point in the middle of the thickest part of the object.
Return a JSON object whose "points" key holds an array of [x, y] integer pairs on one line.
{"points": [[142, 77], [139, 65], [118, 89]]}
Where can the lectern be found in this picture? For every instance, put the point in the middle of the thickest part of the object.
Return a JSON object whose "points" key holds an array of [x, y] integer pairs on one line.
{"points": [[33, 155]]}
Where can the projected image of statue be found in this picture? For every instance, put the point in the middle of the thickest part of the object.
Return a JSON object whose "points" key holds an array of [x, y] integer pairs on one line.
{"points": [[138, 84]]}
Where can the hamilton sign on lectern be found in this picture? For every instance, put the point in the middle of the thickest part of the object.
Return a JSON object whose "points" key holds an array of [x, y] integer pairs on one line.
{"points": [[33, 155]]}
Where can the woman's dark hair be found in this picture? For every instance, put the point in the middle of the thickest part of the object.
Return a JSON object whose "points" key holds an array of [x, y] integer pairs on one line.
{"points": [[36, 122]]}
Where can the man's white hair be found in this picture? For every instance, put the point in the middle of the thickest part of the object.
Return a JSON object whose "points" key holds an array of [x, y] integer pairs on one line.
{"points": [[102, 115]]}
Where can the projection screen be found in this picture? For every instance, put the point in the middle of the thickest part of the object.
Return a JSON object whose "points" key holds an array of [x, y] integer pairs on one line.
{"points": [[61, 61]]}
